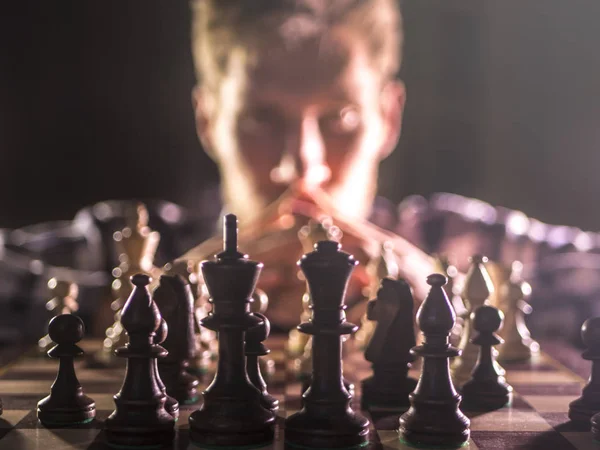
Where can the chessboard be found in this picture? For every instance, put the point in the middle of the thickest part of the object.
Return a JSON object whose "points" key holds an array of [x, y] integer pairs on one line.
{"points": [[536, 419]]}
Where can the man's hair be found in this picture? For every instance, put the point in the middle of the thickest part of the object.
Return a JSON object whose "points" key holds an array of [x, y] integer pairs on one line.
{"points": [[222, 28]]}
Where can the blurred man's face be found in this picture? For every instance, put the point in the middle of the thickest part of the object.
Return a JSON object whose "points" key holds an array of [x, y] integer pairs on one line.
{"points": [[316, 115]]}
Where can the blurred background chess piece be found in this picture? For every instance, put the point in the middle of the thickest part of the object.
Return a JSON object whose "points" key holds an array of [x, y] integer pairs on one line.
{"points": [[136, 246], [63, 301], [511, 299]]}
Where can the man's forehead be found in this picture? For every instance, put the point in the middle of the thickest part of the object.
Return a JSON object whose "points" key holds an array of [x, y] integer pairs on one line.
{"points": [[334, 71]]}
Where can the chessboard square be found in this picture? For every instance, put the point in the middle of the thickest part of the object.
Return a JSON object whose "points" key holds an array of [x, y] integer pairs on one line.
{"points": [[508, 419], [55, 439], [560, 422], [390, 440], [183, 420], [573, 388], [287, 412], [96, 376], [90, 345], [550, 440], [293, 390], [32, 364], [550, 403], [581, 440], [103, 401], [39, 387], [10, 418], [532, 377]]}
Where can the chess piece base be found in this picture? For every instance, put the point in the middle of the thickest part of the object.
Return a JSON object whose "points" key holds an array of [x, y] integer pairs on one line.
{"points": [[53, 413], [438, 425], [141, 434], [239, 427], [581, 412], [180, 384], [346, 431], [267, 401], [172, 407], [394, 398], [517, 351], [485, 396]]}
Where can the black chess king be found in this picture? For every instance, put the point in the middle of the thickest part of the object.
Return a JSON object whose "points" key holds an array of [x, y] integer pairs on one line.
{"points": [[232, 414]]}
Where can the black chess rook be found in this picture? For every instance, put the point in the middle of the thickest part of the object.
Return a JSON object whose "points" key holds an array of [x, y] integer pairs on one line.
{"points": [[66, 404], [434, 417], [232, 414], [326, 420], [140, 418]]}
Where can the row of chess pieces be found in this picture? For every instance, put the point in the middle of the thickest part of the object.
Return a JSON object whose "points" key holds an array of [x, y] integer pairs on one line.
{"points": [[239, 388], [136, 245], [146, 408]]}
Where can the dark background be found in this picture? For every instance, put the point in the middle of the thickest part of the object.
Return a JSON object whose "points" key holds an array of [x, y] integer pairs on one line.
{"points": [[502, 105]]}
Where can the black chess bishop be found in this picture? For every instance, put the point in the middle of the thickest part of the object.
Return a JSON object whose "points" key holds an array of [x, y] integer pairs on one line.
{"points": [[140, 418], [434, 417]]}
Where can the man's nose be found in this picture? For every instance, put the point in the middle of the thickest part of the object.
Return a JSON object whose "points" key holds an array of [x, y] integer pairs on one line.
{"points": [[304, 157]]}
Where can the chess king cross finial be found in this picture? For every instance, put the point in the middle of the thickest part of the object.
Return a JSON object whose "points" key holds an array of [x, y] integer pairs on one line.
{"points": [[230, 239]]}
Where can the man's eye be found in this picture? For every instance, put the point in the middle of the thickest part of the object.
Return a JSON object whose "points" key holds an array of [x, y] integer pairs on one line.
{"points": [[258, 121], [344, 121]]}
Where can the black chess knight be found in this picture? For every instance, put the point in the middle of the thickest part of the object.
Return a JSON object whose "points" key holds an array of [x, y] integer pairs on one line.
{"points": [[389, 347]]}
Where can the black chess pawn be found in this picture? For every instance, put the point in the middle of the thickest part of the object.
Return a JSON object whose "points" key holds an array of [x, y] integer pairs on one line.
{"points": [[232, 414], [582, 409], [253, 349], [66, 404], [434, 418], [487, 389], [389, 348], [140, 418], [175, 301], [171, 404], [326, 420]]}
